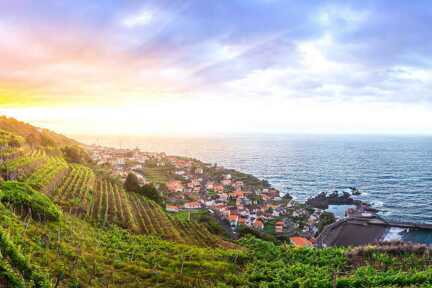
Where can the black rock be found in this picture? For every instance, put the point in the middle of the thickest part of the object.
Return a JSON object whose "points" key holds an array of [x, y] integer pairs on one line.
{"points": [[322, 200], [354, 191]]}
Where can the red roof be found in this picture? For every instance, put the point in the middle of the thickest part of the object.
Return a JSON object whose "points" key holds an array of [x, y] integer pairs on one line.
{"points": [[233, 217], [258, 223], [300, 242]]}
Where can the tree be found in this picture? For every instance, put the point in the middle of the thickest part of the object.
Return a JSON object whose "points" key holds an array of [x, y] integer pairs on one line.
{"points": [[244, 230], [31, 139], [326, 218], [76, 154], [132, 184], [47, 140], [150, 191]]}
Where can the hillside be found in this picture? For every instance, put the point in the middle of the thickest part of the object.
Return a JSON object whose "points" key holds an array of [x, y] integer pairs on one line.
{"points": [[64, 224], [78, 191], [33, 135]]}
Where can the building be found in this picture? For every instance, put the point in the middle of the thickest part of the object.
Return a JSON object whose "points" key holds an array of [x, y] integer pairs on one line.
{"points": [[233, 219], [279, 226], [258, 224], [172, 208], [218, 188], [175, 186], [300, 242], [192, 205]]}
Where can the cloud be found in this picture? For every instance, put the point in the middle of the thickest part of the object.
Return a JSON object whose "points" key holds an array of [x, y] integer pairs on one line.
{"points": [[144, 17], [342, 52]]}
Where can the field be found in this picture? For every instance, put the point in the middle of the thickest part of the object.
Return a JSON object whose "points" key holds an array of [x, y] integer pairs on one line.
{"points": [[157, 174], [74, 253], [78, 191]]}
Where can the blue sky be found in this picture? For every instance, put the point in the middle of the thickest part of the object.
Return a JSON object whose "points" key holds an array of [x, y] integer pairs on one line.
{"points": [[219, 66]]}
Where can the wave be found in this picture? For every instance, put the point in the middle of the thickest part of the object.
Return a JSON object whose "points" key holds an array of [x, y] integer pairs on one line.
{"points": [[377, 204], [394, 234]]}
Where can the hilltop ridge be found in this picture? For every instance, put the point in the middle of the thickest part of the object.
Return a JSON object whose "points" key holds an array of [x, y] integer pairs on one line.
{"points": [[34, 135]]}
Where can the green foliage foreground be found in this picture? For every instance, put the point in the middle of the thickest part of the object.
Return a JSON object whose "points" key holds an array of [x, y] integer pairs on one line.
{"points": [[71, 252], [270, 265], [55, 249], [29, 201], [74, 253]]}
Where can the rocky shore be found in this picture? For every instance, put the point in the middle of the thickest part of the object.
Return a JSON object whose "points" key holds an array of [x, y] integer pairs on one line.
{"points": [[323, 200]]}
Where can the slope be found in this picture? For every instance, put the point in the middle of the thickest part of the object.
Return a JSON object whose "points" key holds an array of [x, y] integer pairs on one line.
{"points": [[100, 200]]}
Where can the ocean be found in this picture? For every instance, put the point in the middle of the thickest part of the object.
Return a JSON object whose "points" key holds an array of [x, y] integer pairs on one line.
{"points": [[394, 173]]}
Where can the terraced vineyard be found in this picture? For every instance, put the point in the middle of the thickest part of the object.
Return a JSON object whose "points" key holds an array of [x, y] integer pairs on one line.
{"points": [[112, 204], [75, 192], [22, 163], [10, 140], [9, 153], [50, 175]]}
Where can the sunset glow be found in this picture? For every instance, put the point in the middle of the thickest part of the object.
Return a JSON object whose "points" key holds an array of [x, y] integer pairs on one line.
{"points": [[197, 67]]}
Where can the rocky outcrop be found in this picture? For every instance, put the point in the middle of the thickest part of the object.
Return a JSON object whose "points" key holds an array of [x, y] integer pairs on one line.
{"points": [[354, 191], [323, 200]]}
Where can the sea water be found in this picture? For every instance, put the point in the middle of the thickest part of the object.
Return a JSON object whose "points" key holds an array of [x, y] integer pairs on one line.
{"points": [[394, 173]]}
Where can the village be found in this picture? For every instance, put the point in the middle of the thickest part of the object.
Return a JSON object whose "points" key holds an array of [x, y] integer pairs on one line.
{"points": [[235, 198]]}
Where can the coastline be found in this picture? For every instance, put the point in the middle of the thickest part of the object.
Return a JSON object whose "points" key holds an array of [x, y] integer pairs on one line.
{"points": [[235, 198], [304, 166]]}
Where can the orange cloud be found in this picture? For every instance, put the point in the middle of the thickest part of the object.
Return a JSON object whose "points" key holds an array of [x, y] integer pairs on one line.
{"points": [[58, 66]]}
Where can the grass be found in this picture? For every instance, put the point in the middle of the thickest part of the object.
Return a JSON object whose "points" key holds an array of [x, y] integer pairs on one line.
{"points": [[28, 200], [194, 214], [211, 192], [74, 252], [157, 175]]}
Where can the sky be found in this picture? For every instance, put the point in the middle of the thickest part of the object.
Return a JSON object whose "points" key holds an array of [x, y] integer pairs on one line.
{"points": [[207, 67]]}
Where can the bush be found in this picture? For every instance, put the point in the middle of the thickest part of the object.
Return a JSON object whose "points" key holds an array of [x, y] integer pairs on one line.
{"points": [[326, 218], [132, 184], [149, 191], [21, 263], [76, 154], [245, 231], [22, 195]]}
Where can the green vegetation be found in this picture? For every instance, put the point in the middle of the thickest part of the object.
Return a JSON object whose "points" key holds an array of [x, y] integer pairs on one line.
{"points": [[211, 192], [75, 154], [157, 175], [149, 191], [190, 214], [15, 267], [107, 237], [326, 218], [28, 200], [35, 137], [10, 139], [74, 253], [271, 265], [49, 176], [23, 164], [131, 184], [75, 192]]}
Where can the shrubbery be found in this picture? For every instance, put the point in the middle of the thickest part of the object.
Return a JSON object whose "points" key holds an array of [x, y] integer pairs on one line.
{"points": [[76, 154], [21, 195], [20, 262], [131, 184]]}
